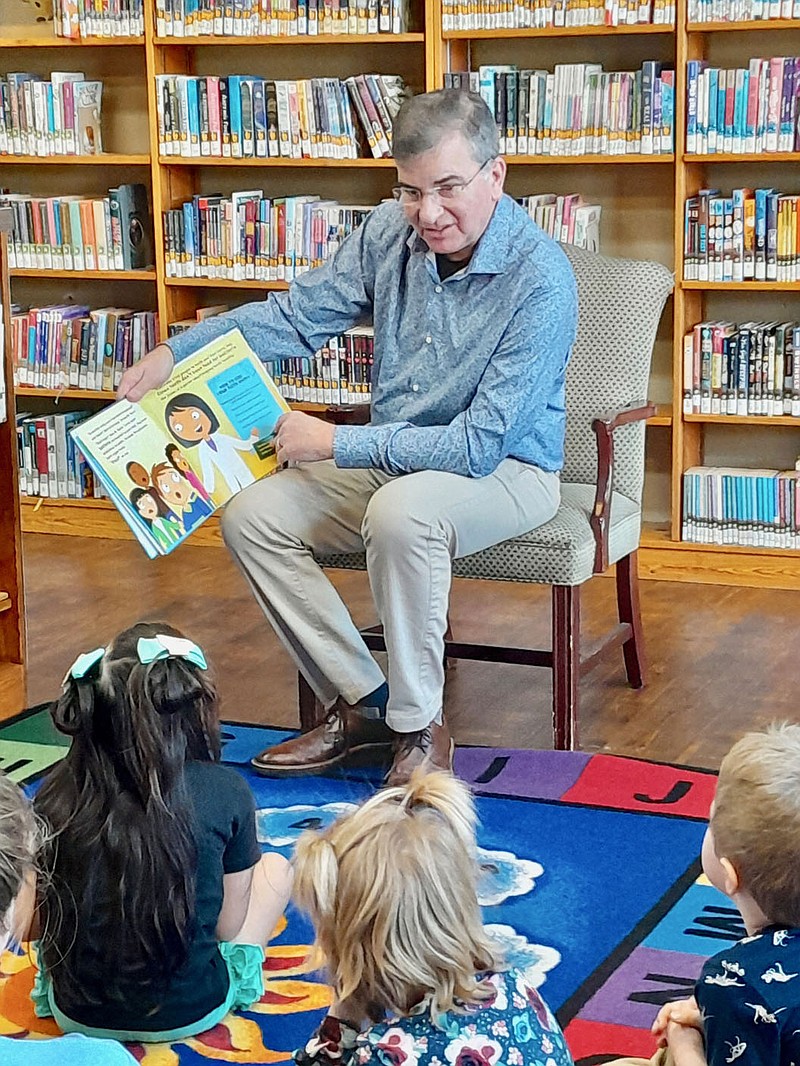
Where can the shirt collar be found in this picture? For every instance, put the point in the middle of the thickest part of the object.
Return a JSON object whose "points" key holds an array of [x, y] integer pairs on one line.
{"points": [[492, 254]]}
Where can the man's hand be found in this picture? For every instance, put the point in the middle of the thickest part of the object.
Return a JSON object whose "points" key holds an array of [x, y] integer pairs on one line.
{"points": [[683, 1012], [150, 372], [301, 438]]}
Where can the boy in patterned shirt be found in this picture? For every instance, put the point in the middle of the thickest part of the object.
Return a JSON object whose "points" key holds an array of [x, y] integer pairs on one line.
{"points": [[747, 1001]]}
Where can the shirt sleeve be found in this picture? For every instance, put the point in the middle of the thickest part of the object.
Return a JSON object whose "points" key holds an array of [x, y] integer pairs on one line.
{"points": [[319, 304], [524, 373], [242, 850], [734, 1016]]}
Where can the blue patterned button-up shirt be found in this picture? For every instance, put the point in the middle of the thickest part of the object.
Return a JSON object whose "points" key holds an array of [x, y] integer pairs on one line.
{"points": [[468, 371]]}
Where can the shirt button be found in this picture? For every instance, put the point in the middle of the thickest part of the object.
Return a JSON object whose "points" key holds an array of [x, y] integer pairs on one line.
{"points": [[438, 288], [428, 339], [415, 387]]}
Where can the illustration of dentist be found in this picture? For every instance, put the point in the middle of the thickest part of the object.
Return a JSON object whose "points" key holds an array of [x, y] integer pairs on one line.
{"points": [[194, 425]]}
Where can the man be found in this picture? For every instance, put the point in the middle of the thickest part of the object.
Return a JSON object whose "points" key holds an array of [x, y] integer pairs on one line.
{"points": [[474, 311]]}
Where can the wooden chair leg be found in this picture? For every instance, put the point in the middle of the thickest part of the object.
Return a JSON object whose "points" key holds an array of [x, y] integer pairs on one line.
{"points": [[566, 623], [629, 611], [310, 709]]}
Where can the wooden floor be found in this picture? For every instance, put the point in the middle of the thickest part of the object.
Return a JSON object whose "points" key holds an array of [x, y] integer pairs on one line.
{"points": [[722, 660]]}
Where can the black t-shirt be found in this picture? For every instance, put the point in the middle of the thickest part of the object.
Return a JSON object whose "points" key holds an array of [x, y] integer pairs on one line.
{"points": [[226, 843]]}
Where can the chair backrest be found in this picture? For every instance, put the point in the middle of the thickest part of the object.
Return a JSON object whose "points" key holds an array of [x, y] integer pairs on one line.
{"points": [[619, 307]]}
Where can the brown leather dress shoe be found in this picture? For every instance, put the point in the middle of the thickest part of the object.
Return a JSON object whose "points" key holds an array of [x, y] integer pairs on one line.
{"points": [[344, 733], [431, 748]]}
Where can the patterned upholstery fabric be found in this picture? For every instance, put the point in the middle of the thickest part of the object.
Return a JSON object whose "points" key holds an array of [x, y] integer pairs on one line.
{"points": [[620, 303]]}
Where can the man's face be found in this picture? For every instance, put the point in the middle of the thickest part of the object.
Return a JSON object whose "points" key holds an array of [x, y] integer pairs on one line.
{"points": [[451, 225]]}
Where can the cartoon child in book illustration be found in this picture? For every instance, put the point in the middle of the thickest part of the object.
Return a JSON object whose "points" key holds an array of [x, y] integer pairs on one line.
{"points": [[163, 524], [138, 475], [193, 424], [177, 459], [179, 495]]}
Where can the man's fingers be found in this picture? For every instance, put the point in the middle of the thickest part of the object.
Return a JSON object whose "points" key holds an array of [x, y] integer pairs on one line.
{"points": [[127, 387]]}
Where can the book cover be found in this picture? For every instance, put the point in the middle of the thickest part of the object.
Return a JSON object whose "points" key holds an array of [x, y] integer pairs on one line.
{"points": [[88, 97], [171, 460]]}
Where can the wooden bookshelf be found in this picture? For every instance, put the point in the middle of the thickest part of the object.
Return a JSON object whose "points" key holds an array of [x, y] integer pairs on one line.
{"points": [[12, 596], [642, 198]]}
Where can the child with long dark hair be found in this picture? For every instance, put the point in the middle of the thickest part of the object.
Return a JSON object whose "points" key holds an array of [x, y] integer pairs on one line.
{"points": [[157, 903]]}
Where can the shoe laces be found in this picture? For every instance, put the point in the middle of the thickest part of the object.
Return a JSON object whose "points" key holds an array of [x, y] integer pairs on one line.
{"points": [[420, 738]]}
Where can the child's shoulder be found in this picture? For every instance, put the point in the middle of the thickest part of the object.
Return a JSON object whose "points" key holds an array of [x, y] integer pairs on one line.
{"points": [[214, 780], [768, 955]]}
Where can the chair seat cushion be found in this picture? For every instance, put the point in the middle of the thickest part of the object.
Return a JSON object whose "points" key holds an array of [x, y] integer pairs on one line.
{"points": [[561, 552]]}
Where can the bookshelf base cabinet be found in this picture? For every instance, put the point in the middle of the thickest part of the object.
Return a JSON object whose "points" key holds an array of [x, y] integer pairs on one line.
{"points": [[642, 203]]}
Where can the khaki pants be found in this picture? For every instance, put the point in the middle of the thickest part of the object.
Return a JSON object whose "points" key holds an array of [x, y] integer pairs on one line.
{"points": [[411, 528]]}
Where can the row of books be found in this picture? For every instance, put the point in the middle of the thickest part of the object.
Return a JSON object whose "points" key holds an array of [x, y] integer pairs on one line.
{"points": [[742, 10], [749, 368], [246, 117], [753, 109], [61, 116], [540, 14], [729, 505], [50, 465], [566, 218], [248, 236], [98, 18], [71, 347], [749, 235], [339, 373], [112, 232], [278, 18], [579, 109]]}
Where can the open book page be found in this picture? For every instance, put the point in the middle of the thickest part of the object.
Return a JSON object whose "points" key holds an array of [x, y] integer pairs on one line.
{"points": [[172, 459]]}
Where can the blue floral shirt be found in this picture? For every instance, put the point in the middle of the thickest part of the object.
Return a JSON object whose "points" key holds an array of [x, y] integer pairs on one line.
{"points": [[514, 1028], [469, 370]]}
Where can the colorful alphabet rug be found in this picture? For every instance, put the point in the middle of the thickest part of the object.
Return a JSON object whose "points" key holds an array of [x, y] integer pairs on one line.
{"points": [[589, 879]]}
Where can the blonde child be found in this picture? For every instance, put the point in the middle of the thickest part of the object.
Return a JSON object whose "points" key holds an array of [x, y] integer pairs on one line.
{"points": [[747, 1001], [157, 903], [18, 841], [391, 890]]}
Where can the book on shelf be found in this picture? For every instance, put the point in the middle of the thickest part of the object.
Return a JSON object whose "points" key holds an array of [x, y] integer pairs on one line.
{"points": [[742, 10], [339, 374], [568, 219], [50, 466], [578, 109], [241, 117], [535, 14], [62, 116], [268, 18], [108, 233], [750, 235], [744, 109], [72, 347], [729, 505], [79, 18], [744, 369], [171, 460], [249, 236]]}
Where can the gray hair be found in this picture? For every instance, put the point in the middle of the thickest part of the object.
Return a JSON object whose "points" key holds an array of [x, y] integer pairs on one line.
{"points": [[18, 842], [424, 120]]}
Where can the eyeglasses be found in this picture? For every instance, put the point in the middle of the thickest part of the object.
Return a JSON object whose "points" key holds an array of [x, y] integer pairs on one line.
{"points": [[451, 190]]}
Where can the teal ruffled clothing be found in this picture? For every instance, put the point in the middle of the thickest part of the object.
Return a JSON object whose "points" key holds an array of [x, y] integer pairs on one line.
{"points": [[245, 968], [64, 1051]]}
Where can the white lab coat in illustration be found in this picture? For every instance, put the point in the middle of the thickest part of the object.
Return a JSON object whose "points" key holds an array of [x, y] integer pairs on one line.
{"points": [[219, 455]]}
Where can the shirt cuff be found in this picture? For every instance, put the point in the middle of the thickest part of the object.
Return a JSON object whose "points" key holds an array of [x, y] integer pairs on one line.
{"points": [[187, 343], [359, 447]]}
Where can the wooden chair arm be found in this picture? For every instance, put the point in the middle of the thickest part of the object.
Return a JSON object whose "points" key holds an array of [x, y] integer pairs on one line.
{"points": [[600, 518]]}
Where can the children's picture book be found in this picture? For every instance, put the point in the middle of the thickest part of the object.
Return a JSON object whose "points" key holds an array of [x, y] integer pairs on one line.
{"points": [[179, 454]]}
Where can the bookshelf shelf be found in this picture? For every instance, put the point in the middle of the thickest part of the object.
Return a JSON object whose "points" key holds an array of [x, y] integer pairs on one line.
{"points": [[24, 39], [742, 157], [750, 26], [555, 31], [66, 394], [224, 161], [107, 159], [663, 415], [5, 602], [225, 283], [745, 420], [740, 286], [95, 275], [298, 41]]}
